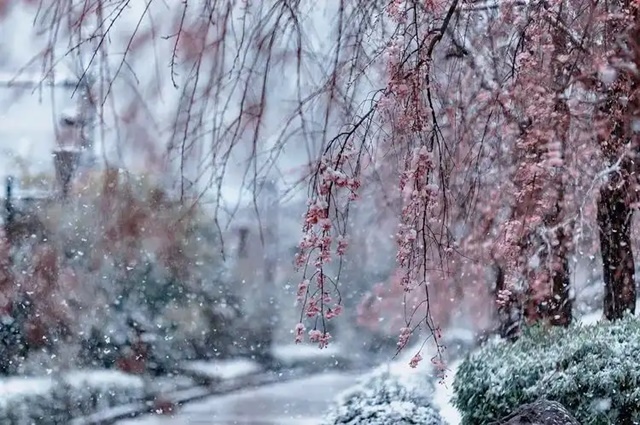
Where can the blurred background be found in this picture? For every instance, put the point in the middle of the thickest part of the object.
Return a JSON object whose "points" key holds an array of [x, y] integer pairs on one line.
{"points": [[147, 233]]}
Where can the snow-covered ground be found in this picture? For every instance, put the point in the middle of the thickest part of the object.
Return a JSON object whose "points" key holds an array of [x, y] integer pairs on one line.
{"points": [[17, 388], [444, 394], [28, 400], [223, 369], [293, 353], [305, 401], [591, 318], [300, 402]]}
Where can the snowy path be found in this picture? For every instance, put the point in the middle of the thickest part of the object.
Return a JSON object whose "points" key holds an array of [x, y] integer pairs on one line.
{"points": [[302, 402]]}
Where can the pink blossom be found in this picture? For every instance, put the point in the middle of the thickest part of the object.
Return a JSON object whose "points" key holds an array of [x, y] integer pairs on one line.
{"points": [[334, 312], [322, 338], [302, 289], [415, 360], [403, 339], [300, 259], [325, 224], [438, 363], [503, 297], [312, 308], [314, 335], [326, 297], [343, 243], [299, 331]]}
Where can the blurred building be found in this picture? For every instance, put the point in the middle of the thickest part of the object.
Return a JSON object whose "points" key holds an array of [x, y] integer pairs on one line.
{"points": [[260, 246]]}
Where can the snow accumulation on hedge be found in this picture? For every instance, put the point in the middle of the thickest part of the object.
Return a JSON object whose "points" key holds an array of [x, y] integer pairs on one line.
{"points": [[385, 398], [590, 369], [58, 399], [393, 394]]}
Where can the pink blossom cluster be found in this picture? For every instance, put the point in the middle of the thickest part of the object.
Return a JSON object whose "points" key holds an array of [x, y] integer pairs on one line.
{"points": [[440, 367], [403, 339], [415, 360], [405, 113], [503, 297], [418, 200], [395, 10], [299, 332], [321, 337], [323, 238]]}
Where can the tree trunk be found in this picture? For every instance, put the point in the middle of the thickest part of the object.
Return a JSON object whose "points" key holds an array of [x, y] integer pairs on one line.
{"points": [[560, 305], [614, 222], [560, 312], [509, 312], [614, 212]]}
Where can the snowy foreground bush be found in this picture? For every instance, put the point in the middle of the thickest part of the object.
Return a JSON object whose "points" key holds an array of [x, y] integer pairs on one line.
{"points": [[592, 370], [387, 398], [57, 400]]}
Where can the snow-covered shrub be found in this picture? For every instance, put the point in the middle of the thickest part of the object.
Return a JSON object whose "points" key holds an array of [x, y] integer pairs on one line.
{"points": [[387, 398], [119, 251], [26, 401], [591, 370]]}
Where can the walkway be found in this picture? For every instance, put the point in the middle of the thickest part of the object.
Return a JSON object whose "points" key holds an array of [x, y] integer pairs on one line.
{"points": [[299, 402]]}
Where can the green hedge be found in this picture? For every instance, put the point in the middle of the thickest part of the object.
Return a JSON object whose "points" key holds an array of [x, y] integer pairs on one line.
{"points": [[594, 371]]}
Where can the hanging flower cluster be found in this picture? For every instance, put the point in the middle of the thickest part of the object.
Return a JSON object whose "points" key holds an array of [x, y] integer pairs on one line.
{"points": [[336, 184]]}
